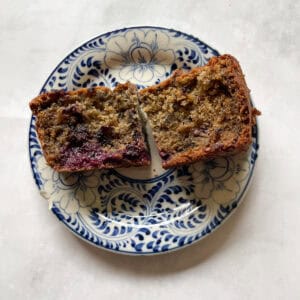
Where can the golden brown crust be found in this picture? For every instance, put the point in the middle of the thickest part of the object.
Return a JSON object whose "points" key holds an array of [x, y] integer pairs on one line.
{"points": [[45, 99]]}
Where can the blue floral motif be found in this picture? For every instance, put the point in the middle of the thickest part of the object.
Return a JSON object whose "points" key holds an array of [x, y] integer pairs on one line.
{"points": [[219, 179], [71, 191], [91, 72], [140, 56], [140, 216]]}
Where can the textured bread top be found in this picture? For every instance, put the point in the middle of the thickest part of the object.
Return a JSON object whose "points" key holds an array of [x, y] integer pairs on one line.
{"points": [[200, 114]]}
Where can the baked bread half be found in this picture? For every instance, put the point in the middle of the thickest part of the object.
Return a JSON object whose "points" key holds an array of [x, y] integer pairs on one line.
{"points": [[200, 114], [91, 128]]}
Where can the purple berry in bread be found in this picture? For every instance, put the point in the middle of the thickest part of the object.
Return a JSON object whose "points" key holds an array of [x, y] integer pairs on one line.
{"points": [[91, 128]]}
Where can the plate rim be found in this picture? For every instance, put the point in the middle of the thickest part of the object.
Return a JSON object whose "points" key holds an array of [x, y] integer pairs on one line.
{"points": [[132, 253]]}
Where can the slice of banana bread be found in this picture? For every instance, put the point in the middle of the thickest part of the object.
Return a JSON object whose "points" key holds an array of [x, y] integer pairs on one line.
{"points": [[90, 128], [200, 114]]}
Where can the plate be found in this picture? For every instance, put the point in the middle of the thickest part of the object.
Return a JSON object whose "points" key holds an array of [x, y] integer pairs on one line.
{"points": [[140, 210]]}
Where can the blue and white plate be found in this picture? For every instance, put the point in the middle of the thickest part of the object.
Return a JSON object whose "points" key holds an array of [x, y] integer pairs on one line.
{"points": [[140, 210]]}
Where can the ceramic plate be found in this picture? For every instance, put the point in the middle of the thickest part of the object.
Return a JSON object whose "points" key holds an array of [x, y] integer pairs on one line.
{"points": [[140, 210]]}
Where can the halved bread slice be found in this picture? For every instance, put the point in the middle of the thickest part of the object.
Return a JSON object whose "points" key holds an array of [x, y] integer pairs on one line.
{"points": [[200, 114], [91, 128]]}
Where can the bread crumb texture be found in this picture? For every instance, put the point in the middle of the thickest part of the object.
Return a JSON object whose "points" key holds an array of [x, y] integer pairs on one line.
{"points": [[201, 113], [91, 128]]}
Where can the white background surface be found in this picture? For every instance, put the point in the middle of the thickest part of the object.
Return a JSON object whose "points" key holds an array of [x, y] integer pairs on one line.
{"points": [[255, 255]]}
